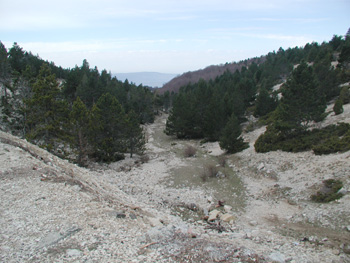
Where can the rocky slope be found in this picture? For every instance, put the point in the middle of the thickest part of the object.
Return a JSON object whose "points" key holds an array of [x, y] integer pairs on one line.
{"points": [[134, 211]]}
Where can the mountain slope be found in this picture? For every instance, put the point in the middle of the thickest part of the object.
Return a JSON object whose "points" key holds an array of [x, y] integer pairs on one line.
{"points": [[207, 74]]}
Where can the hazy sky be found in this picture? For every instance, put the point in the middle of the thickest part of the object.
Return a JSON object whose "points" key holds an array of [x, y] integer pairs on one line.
{"points": [[165, 35]]}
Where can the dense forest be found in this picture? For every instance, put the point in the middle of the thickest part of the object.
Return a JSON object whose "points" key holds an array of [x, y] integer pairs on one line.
{"points": [[84, 114], [76, 113], [311, 76]]}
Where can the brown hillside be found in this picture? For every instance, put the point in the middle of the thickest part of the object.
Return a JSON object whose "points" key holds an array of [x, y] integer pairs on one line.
{"points": [[208, 73]]}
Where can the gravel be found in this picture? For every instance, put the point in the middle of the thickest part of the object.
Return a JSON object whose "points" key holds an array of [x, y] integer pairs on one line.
{"points": [[53, 211]]}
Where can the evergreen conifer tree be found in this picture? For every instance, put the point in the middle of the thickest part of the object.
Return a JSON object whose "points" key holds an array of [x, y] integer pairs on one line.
{"points": [[80, 119], [264, 103], [47, 114], [302, 101], [134, 136], [338, 107], [108, 129], [230, 140]]}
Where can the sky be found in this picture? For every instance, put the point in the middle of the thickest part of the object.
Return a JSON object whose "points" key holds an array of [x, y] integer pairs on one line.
{"points": [[168, 36]]}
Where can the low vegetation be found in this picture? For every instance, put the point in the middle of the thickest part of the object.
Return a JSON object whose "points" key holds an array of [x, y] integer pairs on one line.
{"points": [[190, 151], [331, 139], [209, 171], [222, 160], [329, 191]]}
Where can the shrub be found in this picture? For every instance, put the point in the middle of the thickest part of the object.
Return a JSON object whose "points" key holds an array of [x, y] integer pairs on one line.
{"points": [[222, 161], [331, 139], [144, 158], [190, 151], [338, 107], [209, 171], [344, 95], [329, 192]]}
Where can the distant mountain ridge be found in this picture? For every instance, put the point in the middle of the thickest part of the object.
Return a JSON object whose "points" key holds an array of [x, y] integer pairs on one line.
{"points": [[150, 79], [208, 73]]}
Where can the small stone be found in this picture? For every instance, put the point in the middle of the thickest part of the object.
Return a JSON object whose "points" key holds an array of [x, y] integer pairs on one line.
{"points": [[347, 228], [253, 223], [336, 252], [277, 257], [261, 166], [205, 212], [342, 191], [313, 239], [346, 248], [73, 252], [154, 221], [227, 208], [227, 217], [213, 215], [120, 215], [220, 175], [192, 207], [132, 216], [248, 236], [76, 188], [51, 239], [291, 202]]}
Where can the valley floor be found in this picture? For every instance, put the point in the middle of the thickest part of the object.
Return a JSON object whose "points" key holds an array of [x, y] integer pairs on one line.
{"points": [[134, 211]]}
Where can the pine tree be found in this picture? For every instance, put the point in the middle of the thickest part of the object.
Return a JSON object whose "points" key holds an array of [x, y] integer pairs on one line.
{"points": [[264, 103], [135, 138], [302, 101], [108, 129], [47, 114], [230, 139], [5, 84], [80, 119], [338, 107], [16, 58]]}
